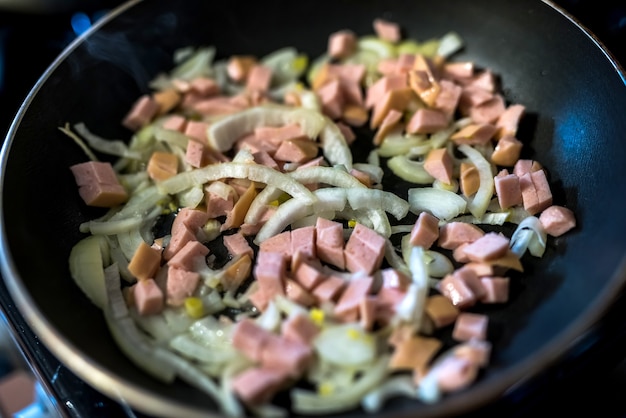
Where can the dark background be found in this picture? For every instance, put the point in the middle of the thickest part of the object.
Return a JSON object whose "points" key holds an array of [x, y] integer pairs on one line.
{"points": [[593, 377]]}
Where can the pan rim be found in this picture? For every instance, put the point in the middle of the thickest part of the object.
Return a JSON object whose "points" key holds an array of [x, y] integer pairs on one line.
{"points": [[135, 396]]}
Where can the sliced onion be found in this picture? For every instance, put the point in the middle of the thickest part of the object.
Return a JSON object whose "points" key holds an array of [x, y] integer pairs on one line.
{"points": [[225, 132], [478, 205], [529, 235], [443, 204], [334, 145], [409, 170]]}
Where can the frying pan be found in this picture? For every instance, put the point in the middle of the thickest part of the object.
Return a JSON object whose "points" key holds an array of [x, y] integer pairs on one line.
{"points": [[575, 97]]}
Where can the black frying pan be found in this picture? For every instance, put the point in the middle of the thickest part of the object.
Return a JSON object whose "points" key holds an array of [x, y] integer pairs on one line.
{"points": [[574, 93]]}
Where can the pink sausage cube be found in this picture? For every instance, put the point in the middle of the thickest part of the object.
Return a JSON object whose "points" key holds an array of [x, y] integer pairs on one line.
{"points": [[329, 289], [496, 289], [280, 243], [288, 356], [257, 385], [299, 327], [364, 250], [181, 284], [557, 220], [508, 190], [353, 295], [490, 246], [341, 43], [188, 257], [270, 271], [148, 296], [308, 275], [195, 154], [250, 338], [259, 78], [387, 30], [453, 234], [197, 130], [237, 245], [141, 113], [457, 290], [175, 123], [470, 326], [427, 121], [425, 231], [329, 242], [295, 292]]}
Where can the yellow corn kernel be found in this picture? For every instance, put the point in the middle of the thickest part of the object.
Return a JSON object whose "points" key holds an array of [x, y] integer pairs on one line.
{"points": [[352, 223], [317, 316], [300, 63], [275, 203], [325, 389], [194, 308], [354, 334]]}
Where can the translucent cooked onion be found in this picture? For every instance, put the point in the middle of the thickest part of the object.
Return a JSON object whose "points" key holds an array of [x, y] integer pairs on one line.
{"points": [[478, 205], [224, 133], [443, 204], [253, 172], [529, 235]]}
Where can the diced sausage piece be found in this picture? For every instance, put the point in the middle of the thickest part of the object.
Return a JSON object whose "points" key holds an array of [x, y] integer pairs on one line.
{"points": [[425, 231], [270, 271], [448, 98], [508, 190], [388, 123], [536, 194], [141, 113], [458, 254], [490, 246], [237, 245], [295, 292], [457, 291], [352, 115], [235, 272], [524, 166], [476, 351], [351, 92], [341, 44], [239, 67], [217, 205], [507, 151], [190, 217], [386, 30], [352, 72], [439, 164], [398, 99], [427, 121], [257, 385], [167, 100], [544, 193], [329, 242], [455, 373], [485, 80], [354, 293], [508, 121], [303, 241], [404, 63], [469, 179], [195, 154], [236, 216], [461, 70], [299, 327], [329, 289], [470, 326], [145, 261], [489, 111], [299, 150], [424, 85], [278, 134], [204, 86], [189, 256], [250, 338], [481, 268], [364, 250], [280, 243], [415, 352], [376, 92], [474, 134], [331, 98], [441, 310], [175, 123], [367, 312], [395, 279], [197, 130], [98, 184], [557, 220], [453, 234], [259, 78], [471, 279], [254, 144], [389, 298], [497, 289], [289, 356], [181, 284], [217, 106], [148, 297], [472, 96], [264, 158], [362, 176], [162, 165], [179, 238], [308, 275], [266, 213]]}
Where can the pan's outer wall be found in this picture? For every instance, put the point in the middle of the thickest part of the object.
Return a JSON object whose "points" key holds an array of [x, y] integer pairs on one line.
{"points": [[575, 100]]}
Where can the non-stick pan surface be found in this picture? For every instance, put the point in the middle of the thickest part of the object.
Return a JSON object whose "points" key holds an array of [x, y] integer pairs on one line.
{"points": [[575, 98]]}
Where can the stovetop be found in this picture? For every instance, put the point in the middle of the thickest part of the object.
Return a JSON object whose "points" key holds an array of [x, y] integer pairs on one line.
{"points": [[592, 376]]}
